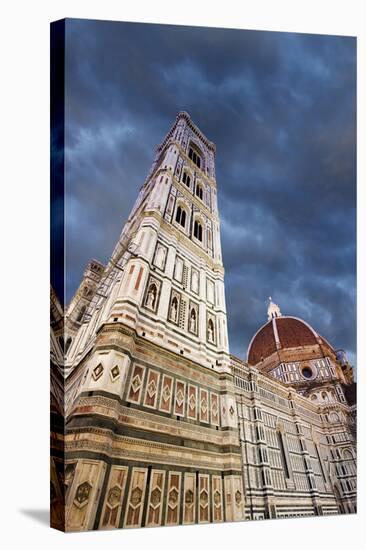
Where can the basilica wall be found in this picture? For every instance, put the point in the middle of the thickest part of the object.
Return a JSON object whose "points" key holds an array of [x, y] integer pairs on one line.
{"points": [[298, 457]]}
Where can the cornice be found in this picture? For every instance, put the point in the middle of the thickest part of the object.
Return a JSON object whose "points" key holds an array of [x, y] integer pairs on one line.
{"points": [[184, 115]]}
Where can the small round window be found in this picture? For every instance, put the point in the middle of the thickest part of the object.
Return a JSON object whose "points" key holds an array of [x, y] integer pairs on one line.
{"points": [[307, 372]]}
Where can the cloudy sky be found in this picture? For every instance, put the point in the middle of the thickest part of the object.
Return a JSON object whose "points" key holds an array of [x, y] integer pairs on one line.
{"points": [[280, 108]]}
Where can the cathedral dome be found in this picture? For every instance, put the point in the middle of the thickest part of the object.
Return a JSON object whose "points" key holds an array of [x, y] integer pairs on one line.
{"points": [[283, 333]]}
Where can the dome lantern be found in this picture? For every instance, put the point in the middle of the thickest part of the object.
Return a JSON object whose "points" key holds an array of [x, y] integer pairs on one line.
{"points": [[273, 310]]}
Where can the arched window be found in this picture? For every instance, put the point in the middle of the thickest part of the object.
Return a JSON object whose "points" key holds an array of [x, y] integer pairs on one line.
{"points": [[81, 314], [68, 343], [194, 156], [197, 231], [61, 342], [347, 455], [180, 216], [186, 179], [199, 191]]}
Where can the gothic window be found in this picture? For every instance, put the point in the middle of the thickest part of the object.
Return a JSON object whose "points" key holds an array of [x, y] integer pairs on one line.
{"points": [[81, 314], [68, 343], [180, 216], [197, 231], [347, 455], [186, 179], [199, 191], [194, 156], [61, 342]]}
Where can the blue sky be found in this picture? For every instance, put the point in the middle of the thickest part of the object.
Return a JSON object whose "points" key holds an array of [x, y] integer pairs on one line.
{"points": [[281, 109]]}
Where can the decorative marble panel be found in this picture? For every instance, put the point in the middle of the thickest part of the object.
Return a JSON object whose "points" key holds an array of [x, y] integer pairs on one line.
{"points": [[215, 409], [114, 497], [136, 384], [173, 499], [151, 389], [217, 508], [136, 496], [189, 498], [204, 498], [204, 404], [192, 403], [179, 398], [166, 394], [155, 501]]}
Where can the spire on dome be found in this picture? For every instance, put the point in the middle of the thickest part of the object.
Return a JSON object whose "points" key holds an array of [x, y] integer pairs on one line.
{"points": [[273, 310]]}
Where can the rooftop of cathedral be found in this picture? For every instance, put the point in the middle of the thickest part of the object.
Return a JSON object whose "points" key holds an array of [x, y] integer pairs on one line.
{"points": [[283, 332]]}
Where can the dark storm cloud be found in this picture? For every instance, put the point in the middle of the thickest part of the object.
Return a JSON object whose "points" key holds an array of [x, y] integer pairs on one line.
{"points": [[281, 110]]}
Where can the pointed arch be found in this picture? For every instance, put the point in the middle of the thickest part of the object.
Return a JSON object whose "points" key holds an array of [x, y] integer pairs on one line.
{"points": [[195, 154], [197, 230], [68, 343], [199, 191], [186, 178], [338, 496], [181, 216], [81, 314]]}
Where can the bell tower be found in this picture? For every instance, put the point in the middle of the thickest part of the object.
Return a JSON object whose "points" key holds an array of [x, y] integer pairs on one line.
{"points": [[152, 431], [166, 278]]}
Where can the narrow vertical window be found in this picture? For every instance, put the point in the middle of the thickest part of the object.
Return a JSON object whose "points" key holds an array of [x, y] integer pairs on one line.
{"points": [[81, 314], [197, 230], [180, 216], [283, 455], [186, 179], [193, 155], [199, 191]]}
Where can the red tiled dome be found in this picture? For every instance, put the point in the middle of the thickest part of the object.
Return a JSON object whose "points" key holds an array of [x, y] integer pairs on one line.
{"points": [[292, 333]]}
